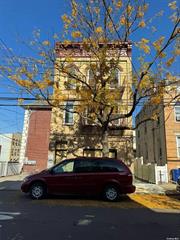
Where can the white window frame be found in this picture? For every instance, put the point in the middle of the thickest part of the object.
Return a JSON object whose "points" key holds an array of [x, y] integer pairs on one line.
{"points": [[67, 79], [88, 74], [119, 80], [95, 123], [64, 117], [178, 145], [175, 114]]}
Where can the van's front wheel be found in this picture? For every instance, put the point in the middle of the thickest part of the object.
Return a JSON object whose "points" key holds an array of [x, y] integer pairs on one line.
{"points": [[111, 193], [38, 190]]}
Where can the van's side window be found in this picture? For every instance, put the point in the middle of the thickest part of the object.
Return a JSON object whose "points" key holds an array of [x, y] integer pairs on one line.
{"points": [[110, 166], [64, 167], [84, 166]]}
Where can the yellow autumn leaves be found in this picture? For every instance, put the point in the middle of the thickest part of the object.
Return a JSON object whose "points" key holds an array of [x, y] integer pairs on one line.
{"points": [[99, 30], [76, 34], [172, 5], [143, 44], [158, 43], [142, 24]]}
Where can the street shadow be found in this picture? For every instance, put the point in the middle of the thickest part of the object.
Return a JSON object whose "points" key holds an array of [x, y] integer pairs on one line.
{"points": [[10, 185]]}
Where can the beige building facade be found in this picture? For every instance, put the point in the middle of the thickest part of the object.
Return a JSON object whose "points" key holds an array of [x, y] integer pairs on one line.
{"points": [[72, 135], [158, 141]]}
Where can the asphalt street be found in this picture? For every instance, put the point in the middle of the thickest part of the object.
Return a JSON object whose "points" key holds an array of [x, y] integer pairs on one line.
{"points": [[59, 219]]}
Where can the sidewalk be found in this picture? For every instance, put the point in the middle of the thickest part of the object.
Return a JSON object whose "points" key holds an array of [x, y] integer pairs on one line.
{"points": [[12, 182], [19, 177], [149, 188], [162, 189]]}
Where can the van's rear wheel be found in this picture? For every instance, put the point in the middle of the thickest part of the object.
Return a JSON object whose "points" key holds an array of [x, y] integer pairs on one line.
{"points": [[111, 193], [38, 190]]}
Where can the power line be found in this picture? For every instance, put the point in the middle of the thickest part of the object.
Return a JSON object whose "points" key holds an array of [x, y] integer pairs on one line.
{"points": [[62, 105], [18, 98], [51, 99]]}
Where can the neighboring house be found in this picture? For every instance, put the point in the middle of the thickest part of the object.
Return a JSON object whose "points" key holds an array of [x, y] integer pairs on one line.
{"points": [[72, 136], [9, 153], [10, 144], [158, 141], [15, 147], [5, 147], [35, 138]]}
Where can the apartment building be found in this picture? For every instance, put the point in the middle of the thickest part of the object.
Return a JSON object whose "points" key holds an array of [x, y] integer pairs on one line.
{"points": [[10, 144], [72, 135], [158, 141]]}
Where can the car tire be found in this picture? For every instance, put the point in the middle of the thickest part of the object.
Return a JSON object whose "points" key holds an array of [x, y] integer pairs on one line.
{"points": [[111, 193], [38, 190]]}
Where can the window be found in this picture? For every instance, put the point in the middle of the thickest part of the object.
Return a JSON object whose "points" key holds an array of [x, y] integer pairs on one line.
{"points": [[177, 113], [115, 114], [145, 127], [91, 78], [84, 166], [117, 121], [146, 151], [160, 153], [138, 134], [110, 166], [178, 88], [71, 78], [65, 167], [178, 146], [113, 153], [69, 116], [158, 121], [90, 117], [115, 78], [139, 150]]}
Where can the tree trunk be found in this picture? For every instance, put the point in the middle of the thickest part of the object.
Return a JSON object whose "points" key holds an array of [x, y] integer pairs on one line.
{"points": [[105, 145]]}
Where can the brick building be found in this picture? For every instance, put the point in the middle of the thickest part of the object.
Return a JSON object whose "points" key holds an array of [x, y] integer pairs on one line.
{"points": [[35, 139]]}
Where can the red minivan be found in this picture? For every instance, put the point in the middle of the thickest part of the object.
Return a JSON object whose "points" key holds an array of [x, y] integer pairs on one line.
{"points": [[83, 175]]}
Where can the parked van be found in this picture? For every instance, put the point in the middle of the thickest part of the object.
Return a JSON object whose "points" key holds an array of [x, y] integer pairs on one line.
{"points": [[82, 176]]}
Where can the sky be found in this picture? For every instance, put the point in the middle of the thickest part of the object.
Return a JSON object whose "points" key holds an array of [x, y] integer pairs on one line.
{"points": [[18, 19]]}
